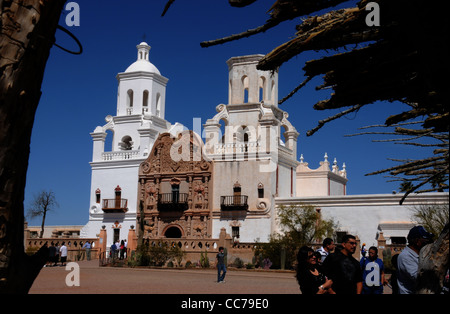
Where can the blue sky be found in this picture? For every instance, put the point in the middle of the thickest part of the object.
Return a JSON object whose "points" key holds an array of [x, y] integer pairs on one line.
{"points": [[79, 91]]}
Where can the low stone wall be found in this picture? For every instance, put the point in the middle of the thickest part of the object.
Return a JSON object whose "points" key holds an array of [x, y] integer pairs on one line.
{"points": [[194, 248], [75, 251]]}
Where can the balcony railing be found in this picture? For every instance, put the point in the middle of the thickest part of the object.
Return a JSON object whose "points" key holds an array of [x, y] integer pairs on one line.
{"points": [[234, 202], [233, 148], [115, 205], [172, 201], [120, 155]]}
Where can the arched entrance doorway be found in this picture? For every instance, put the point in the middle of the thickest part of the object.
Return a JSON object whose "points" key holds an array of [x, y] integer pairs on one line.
{"points": [[173, 232]]}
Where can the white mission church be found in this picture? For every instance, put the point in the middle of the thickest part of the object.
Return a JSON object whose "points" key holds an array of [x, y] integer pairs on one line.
{"points": [[246, 171]]}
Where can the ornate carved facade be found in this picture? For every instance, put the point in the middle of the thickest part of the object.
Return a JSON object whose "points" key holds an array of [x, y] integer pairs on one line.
{"points": [[174, 189]]}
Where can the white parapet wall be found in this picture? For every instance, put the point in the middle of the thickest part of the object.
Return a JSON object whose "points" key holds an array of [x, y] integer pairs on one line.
{"points": [[365, 215]]}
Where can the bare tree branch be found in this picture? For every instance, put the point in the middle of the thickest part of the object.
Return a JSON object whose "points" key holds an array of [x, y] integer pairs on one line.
{"points": [[166, 8], [321, 123], [41, 204]]}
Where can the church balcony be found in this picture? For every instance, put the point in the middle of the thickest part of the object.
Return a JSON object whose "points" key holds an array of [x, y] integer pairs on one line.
{"points": [[120, 155], [115, 205], [233, 207], [234, 202], [172, 201]]}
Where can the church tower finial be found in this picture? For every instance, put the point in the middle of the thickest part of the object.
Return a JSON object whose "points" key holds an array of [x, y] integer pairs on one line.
{"points": [[143, 50]]}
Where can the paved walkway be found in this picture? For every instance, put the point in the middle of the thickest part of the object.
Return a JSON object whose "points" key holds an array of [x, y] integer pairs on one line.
{"points": [[116, 280], [108, 280]]}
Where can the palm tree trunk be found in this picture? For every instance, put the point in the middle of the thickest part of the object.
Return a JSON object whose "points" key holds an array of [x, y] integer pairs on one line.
{"points": [[26, 37]]}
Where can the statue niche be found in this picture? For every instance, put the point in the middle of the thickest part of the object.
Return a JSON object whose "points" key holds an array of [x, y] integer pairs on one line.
{"points": [[150, 196], [199, 196]]}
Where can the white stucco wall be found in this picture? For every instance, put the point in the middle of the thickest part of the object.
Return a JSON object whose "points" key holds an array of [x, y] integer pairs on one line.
{"points": [[106, 176], [250, 229], [361, 215]]}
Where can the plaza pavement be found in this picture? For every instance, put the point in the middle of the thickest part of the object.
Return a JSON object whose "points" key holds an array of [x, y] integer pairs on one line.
{"points": [[109, 280], [121, 280]]}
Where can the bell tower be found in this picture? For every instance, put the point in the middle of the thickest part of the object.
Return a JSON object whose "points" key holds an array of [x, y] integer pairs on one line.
{"points": [[142, 88], [246, 143], [129, 137], [247, 84]]}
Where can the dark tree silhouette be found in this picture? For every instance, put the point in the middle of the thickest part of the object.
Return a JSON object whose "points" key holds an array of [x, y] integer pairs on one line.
{"points": [[27, 35]]}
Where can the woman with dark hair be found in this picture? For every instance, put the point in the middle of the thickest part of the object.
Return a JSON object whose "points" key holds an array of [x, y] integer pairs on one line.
{"points": [[309, 277]]}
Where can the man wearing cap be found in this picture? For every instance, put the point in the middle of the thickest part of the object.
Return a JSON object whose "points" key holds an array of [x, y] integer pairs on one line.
{"points": [[408, 260]]}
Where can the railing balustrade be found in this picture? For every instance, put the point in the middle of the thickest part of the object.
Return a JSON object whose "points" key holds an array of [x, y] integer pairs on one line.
{"points": [[115, 205], [165, 198], [173, 201], [120, 155], [234, 202]]}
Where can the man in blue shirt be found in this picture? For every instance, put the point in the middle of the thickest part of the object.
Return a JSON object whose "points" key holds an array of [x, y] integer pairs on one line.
{"points": [[373, 273], [327, 247], [87, 246], [408, 259], [113, 251]]}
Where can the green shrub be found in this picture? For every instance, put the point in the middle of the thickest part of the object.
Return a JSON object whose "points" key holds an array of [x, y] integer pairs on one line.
{"points": [[238, 263]]}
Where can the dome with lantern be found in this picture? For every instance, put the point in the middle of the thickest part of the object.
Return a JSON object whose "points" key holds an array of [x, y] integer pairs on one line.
{"points": [[142, 64]]}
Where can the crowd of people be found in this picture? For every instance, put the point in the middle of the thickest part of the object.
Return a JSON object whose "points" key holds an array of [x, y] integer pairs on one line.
{"points": [[332, 269], [57, 254], [118, 250]]}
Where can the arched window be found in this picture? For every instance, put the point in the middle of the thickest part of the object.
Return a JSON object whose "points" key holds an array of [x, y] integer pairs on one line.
{"points": [[272, 91], [223, 128], [245, 84], [260, 190], [158, 104], [246, 95], [262, 88], [130, 98], [145, 99], [241, 135], [97, 195], [175, 193], [282, 137], [109, 140], [245, 134]]}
